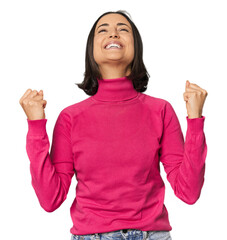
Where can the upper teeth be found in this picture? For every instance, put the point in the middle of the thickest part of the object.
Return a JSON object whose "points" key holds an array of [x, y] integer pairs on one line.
{"points": [[113, 45]]}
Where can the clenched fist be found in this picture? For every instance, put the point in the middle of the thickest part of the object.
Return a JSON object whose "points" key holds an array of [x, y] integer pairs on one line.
{"points": [[33, 104], [194, 96]]}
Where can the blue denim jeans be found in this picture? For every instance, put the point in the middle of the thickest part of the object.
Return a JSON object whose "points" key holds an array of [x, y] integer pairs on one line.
{"points": [[131, 234]]}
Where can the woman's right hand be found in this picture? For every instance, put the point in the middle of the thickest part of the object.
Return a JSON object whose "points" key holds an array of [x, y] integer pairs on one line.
{"points": [[33, 104]]}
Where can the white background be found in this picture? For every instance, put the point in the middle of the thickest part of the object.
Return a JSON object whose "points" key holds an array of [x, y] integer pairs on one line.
{"points": [[42, 46]]}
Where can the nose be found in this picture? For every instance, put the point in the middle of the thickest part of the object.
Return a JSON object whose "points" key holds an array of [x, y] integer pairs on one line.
{"points": [[114, 34]]}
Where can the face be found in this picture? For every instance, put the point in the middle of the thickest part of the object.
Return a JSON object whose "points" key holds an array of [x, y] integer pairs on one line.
{"points": [[113, 28]]}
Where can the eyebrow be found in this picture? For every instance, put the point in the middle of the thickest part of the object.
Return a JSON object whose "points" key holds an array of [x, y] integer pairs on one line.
{"points": [[118, 24]]}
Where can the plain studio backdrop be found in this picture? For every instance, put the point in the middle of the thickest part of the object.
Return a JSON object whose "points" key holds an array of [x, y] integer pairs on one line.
{"points": [[42, 46]]}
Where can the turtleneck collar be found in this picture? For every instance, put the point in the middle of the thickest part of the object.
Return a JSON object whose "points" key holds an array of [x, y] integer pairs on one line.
{"points": [[116, 89]]}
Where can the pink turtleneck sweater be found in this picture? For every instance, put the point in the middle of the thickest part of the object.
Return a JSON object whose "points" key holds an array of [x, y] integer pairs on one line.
{"points": [[114, 142]]}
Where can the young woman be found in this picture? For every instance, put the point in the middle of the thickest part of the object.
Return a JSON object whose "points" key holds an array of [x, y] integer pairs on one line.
{"points": [[114, 141]]}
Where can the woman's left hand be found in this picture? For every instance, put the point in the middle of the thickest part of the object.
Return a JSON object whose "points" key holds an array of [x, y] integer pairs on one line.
{"points": [[194, 96]]}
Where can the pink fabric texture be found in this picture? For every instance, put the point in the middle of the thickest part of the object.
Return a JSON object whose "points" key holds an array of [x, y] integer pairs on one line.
{"points": [[113, 143]]}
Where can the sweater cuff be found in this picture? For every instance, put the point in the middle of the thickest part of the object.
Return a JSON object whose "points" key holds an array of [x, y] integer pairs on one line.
{"points": [[195, 125], [37, 127]]}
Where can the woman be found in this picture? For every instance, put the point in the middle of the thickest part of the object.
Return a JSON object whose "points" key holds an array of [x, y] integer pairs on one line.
{"points": [[113, 142]]}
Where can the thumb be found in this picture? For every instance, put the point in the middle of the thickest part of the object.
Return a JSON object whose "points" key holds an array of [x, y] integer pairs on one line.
{"points": [[187, 83]]}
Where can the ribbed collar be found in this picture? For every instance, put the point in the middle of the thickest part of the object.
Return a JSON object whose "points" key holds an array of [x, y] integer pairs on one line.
{"points": [[116, 89]]}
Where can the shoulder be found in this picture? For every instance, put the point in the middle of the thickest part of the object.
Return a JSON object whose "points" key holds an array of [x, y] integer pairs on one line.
{"points": [[75, 109], [155, 102]]}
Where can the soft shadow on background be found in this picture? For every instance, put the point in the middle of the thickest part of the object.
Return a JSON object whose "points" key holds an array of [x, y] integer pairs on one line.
{"points": [[42, 46]]}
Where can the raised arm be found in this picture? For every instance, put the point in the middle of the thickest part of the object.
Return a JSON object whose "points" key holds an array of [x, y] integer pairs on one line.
{"points": [[51, 173], [183, 161]]}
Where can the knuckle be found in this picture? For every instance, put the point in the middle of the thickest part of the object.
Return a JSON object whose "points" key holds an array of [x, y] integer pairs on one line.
{"points": [[203, 92], [25, 101], [31, 103]]}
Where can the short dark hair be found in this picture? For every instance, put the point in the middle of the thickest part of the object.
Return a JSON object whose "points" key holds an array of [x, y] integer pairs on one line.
{"points": [[138, 75]]}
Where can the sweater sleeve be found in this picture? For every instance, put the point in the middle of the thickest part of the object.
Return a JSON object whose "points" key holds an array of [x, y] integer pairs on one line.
{"points": [[51, 173], [183, 161]]}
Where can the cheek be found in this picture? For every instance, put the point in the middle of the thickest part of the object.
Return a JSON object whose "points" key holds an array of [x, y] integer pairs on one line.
{"points": [[131, 48], [130, 41], [97, 45]]}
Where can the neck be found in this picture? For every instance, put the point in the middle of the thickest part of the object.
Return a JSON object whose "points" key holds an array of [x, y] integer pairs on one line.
{"points": [[111, 71], [115, 89]]}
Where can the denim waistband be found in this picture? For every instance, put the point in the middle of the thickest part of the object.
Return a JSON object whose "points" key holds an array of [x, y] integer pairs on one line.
{"points": [[123, 232]]}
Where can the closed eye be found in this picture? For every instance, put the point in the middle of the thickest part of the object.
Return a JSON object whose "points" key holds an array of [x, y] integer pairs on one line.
{"points": [[124, 29], [120, 30], [102, 30]]}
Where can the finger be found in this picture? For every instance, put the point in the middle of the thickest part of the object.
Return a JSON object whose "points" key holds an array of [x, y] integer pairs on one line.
{"points": [[32, 94], [195, 86], [38, 97], [192, 90], [188, 95], [187, 84], [185, 96], [25, 95], [199, 89], [44, 103], [41, 92]]}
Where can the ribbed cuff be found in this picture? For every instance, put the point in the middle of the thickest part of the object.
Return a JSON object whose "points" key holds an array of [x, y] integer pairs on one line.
{"points": [[195, 125], [37, 127]]}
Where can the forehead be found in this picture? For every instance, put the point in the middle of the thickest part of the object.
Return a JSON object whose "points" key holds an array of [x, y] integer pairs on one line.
{"points": [[112, 18]]}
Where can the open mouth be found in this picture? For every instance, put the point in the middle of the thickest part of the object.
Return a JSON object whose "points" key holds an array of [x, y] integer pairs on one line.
{"points": [[113, 46]]}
